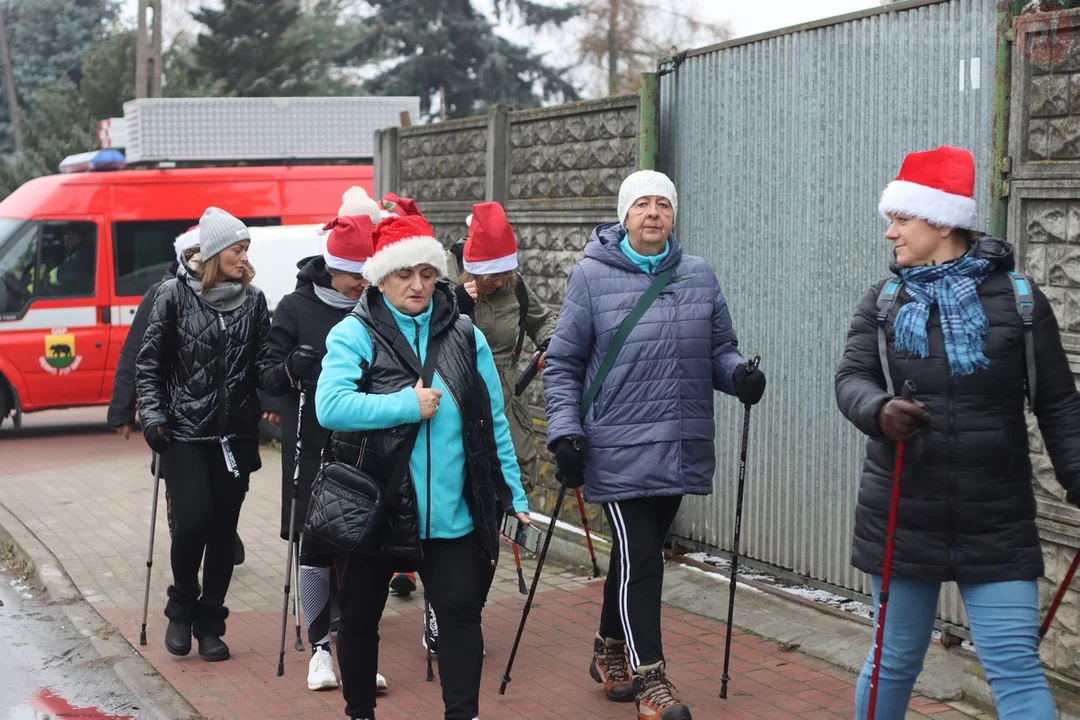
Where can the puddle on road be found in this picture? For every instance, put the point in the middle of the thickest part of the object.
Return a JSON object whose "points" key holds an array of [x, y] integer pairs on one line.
{"points": [[47, 705]]}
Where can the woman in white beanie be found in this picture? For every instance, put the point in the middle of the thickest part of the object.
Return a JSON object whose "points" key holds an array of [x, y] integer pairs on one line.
{"points": [[197, 377], [647, 440]]}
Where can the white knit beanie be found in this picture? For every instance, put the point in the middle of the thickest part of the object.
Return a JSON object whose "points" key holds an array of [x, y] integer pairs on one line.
{"points": [[219, 230], [646, 183]]}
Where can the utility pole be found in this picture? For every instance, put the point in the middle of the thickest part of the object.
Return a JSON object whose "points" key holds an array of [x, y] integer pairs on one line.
{"points": [[148, 55], [613, 48], [9, 82]]}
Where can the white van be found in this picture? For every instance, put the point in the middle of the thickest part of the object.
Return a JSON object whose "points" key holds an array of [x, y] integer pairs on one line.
{"points": [[274, 253]]}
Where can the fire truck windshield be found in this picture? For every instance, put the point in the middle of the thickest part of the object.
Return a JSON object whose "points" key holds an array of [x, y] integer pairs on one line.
{"points": [[18, 253]]}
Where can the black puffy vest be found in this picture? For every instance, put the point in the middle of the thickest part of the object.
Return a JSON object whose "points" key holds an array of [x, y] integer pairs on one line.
{"points": [[394, 366]]}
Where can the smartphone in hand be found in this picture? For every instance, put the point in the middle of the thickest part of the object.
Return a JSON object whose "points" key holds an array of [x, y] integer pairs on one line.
{"points": [[527, 536]]}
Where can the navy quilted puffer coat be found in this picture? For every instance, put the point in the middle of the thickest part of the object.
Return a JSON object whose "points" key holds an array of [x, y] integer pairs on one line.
{"points": [[199, 370], [650, 431]]}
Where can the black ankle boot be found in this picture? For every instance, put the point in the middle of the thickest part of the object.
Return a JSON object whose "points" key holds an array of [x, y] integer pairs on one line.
{"points": [[208, 628], [180, 610], [213, 649]]}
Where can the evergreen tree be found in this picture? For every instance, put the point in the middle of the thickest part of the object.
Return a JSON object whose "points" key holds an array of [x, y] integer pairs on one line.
{"points": [[253, 48], [48, 40], [109, 75], [423, 46]]}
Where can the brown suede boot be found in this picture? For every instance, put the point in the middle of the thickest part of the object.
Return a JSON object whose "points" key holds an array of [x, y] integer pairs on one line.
{"points": [[609, 667], [656, 698]]}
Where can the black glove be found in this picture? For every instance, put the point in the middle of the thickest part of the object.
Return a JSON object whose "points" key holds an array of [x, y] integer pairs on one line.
{"points": [[571, 454], [157, 441], [301, 364], [749, 384], [465, 302]]}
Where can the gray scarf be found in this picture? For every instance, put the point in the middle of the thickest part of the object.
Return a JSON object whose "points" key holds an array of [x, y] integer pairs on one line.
{"points": [[223, 297], [334, 299]]}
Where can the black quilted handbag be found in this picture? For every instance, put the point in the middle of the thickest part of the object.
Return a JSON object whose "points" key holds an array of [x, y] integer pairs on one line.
{"points": [[348, 510]]}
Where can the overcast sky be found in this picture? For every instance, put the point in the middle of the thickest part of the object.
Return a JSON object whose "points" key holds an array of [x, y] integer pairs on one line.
{"points": [[744, 17]]}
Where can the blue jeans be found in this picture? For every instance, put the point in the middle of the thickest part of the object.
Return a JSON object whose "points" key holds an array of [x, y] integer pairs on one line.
{"points": [[1004, 619]]}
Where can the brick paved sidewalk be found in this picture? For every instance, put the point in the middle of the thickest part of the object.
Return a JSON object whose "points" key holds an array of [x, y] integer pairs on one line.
{"points": [[87, 497]]}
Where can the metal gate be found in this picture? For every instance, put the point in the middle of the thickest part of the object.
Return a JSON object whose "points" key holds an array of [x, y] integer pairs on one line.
{"points": [[780, 146]]}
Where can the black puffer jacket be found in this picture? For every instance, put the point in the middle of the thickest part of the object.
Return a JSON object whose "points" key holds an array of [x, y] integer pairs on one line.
{"points": [[301, 318], [393, 366], [122, 402], [967, 507], [199, 370]]}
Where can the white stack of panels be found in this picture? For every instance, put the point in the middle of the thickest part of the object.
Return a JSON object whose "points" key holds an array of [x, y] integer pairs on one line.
{"points": [[235, 129]]}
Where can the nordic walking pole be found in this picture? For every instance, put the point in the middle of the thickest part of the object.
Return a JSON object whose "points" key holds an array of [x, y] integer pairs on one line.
{"points": [[535, 582], [299, 645], [886, 574], [430, 677], [292, 533], [735, 542], [588, 535], [1058, 598], [150, 550], [521, 576]]}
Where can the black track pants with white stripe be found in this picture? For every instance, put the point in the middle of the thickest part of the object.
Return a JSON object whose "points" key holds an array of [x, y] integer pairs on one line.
{"points": [[635, 580]]}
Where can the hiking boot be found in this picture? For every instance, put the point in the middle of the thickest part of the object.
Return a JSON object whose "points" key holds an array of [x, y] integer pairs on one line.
{"points": [[180, 609], [656, 698], [402, 585], [208, 628], [321, 669], [609, 667]]}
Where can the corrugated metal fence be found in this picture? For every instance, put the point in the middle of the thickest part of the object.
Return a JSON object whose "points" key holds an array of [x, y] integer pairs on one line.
{"points": [[780, 147]]}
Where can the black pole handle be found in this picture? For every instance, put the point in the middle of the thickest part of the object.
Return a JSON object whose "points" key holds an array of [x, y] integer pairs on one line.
{"points": [[908, 391]]}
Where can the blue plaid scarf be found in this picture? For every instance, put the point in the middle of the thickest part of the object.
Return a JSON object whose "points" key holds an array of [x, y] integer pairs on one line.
{"points": [[954, 287]]}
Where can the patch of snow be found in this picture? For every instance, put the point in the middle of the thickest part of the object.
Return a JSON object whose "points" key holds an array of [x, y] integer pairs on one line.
{"points": [[720, 578], [539, 518], [813, 594]]}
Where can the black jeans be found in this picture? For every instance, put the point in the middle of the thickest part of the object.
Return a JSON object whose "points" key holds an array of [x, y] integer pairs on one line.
{"points": [[206, 500], [456, 579], [635, 580]]}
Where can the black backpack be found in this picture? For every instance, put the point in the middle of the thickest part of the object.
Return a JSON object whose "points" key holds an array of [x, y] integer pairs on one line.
{"points": [[522, 293]]}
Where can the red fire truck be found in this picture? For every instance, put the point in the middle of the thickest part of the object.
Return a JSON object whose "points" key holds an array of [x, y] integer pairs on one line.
{"points": [[78, 250]]}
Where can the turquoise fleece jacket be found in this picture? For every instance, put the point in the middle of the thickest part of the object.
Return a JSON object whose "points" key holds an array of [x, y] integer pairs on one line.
{"points": [[339, 406], [648, 263]]}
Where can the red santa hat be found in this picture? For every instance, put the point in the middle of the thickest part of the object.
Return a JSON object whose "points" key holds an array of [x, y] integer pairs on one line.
{"points": [[403, 242], [349, 244], [937, 186], [393, 206], [491, 247]]}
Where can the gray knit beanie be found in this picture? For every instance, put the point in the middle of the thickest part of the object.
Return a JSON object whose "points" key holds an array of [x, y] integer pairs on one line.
{"points": [[219, 230]]}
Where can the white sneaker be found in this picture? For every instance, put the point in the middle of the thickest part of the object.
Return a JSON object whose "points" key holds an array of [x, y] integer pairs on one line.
{"points": [[380, 683], [321, 670]]}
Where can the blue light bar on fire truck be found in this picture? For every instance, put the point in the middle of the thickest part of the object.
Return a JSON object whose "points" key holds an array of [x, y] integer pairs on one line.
{"points": [[94, 161]]}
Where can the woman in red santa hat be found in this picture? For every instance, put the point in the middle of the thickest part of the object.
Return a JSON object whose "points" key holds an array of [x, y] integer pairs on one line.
{"points": [[506, 310], [951, 319], [328, 286], [410, 390]]}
